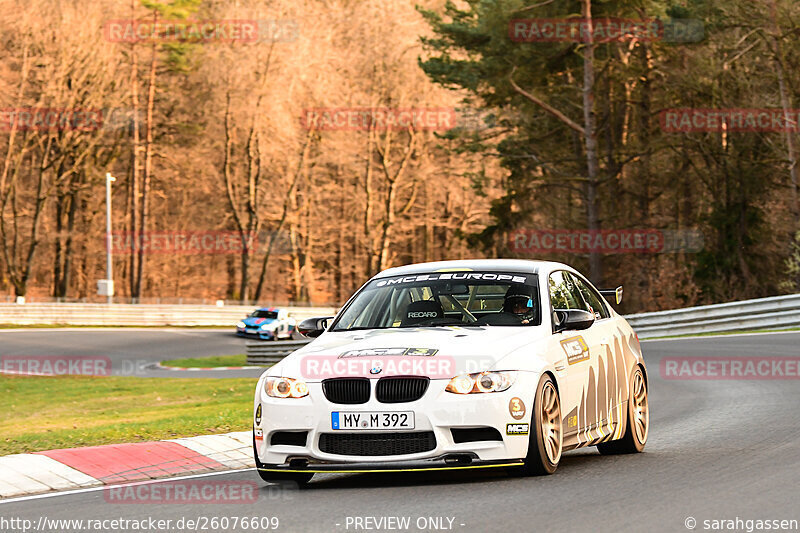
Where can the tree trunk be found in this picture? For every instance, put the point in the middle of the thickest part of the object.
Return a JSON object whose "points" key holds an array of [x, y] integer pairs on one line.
{"points": [[369, 246], [393, 181], [245, 267], [388, 225], [429, 228], [67, 265], [285, 211], [297, 280], [21, 284], [227, 172], [786, 105], [148, 158], [590, 139], [133, 201], [230, 267], [58, 252], [645, 126]]}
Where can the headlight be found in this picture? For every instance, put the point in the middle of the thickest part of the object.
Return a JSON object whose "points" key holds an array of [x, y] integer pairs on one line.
{"points": [[285, 388], [481, 382], [240, 325], [267, 326]]}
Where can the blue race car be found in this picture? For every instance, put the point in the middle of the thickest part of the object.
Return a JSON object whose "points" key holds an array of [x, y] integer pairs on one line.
{"points": [[267, 323]]}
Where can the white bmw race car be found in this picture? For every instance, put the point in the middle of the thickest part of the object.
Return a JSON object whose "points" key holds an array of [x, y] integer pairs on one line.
{"points": [[456, 364]]}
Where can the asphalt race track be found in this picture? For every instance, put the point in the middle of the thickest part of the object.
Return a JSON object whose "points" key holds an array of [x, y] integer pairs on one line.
{"points": [[132, 351], [716, 450]]}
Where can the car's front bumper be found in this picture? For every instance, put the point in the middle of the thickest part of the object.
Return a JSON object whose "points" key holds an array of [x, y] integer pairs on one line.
{"points": [[258, 334], [437, 411]]}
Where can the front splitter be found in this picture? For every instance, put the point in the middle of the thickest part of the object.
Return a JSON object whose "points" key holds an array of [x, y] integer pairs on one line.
{"points": [[394, 466]]}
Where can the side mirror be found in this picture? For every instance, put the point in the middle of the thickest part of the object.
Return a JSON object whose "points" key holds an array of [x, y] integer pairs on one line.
{"points": [[572, 319], [616, 293], [313, 327]]}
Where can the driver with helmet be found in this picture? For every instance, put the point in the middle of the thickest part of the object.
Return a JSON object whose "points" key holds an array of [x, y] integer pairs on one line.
{"points": [[519, 302]]}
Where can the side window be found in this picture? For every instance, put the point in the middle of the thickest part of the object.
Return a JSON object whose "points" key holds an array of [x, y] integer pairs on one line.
{"points": [[563, 292], [591, 298]]}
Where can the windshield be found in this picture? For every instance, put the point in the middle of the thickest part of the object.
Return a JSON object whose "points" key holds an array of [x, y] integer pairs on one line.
{"points": [[264, 314], [444, 299]]}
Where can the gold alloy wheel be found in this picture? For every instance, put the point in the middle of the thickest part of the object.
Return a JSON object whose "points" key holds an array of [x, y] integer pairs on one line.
{"points": [[641, 411], [551, 423]]}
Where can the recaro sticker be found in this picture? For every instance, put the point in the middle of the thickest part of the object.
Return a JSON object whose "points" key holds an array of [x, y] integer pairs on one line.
{"points": [[576, 349]]}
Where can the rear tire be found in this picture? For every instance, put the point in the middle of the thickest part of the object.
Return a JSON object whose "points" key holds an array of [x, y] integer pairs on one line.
{"points": [[637, 425], [546, 436], [300, 478]]}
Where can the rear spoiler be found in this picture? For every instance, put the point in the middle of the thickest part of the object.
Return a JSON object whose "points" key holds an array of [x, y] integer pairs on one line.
{"points": [[616, 293]]}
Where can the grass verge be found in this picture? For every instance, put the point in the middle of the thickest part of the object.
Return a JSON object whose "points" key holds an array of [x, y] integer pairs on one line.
{"points": [[43, 413], [208, 362]]}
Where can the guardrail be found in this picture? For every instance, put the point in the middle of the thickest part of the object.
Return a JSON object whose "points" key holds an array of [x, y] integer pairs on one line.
{"points": [[780, 312], [268, 352], [138, 314]]}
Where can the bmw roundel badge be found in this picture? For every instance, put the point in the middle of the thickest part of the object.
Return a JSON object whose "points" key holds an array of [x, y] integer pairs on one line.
{"points": [[376, 370]]}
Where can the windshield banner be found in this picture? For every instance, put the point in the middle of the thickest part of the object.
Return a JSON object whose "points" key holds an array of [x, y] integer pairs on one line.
{"points": [[500, 277]]}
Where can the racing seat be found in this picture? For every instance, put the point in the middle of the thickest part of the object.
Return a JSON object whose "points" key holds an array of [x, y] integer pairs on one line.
{"points": [[421, 311]]}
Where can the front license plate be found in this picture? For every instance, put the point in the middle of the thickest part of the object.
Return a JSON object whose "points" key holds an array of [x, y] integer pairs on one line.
{"points": [[252, 331], [372, 420]]}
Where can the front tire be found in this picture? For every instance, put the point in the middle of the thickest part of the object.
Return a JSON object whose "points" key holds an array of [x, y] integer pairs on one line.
{"points": [[546, 436], [637, 425]]}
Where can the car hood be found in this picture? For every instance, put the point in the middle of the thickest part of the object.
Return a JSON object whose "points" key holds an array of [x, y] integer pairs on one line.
{"points": [[255, 321], [439, 353]]}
